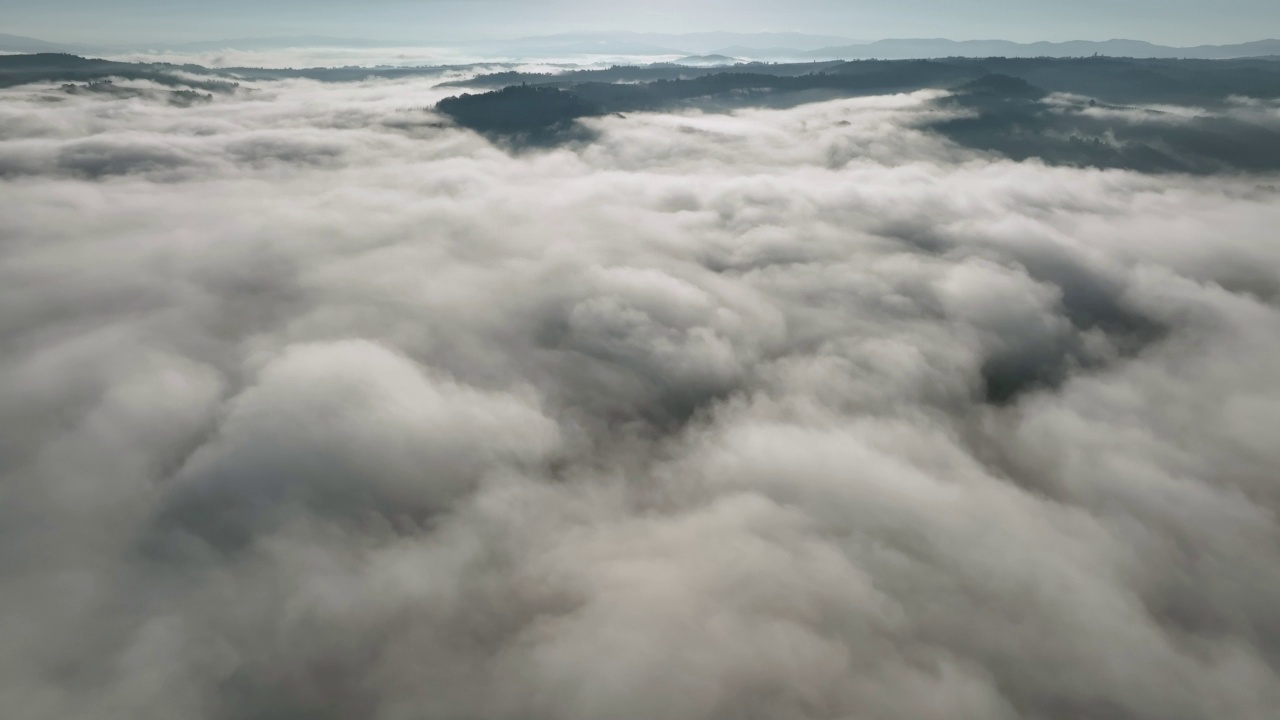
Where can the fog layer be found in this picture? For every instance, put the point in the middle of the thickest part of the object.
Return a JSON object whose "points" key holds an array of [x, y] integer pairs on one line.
{"points": [[315, 406]]}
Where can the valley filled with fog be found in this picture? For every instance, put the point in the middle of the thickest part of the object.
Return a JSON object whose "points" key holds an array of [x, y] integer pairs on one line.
{"points": [[881, 391]]}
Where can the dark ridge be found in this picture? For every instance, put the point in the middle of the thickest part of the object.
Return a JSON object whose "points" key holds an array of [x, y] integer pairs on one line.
{"points": [[18, 70], [520, 110], [1107, 79], [529, 113], [1011, 117], [998, 87], [1008, 104]]}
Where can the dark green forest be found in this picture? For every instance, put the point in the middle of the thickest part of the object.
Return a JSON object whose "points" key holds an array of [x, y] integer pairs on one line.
{"points": [[1046, 108]]}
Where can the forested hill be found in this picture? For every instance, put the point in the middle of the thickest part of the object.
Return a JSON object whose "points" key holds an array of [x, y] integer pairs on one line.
{"points": [[1106, 78], [1101, 112]]}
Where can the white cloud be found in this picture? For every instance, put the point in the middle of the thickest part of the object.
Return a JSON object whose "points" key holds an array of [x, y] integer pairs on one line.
{"points": [[313, 406]]}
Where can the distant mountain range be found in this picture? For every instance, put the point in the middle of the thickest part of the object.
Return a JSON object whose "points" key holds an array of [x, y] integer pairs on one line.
{"points": [[19, 44], [682, 44], [746, 46], [939, 48]]}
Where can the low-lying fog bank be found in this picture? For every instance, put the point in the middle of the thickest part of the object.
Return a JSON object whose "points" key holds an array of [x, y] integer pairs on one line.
{"points": [[315, 405]]}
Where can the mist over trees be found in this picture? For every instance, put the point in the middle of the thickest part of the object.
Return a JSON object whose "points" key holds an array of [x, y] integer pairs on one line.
{"points": [[1079, 112], [1095, 111]]}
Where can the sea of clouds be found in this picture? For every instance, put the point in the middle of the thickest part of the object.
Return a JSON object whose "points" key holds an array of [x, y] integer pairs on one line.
{"points": [[313, 406]]}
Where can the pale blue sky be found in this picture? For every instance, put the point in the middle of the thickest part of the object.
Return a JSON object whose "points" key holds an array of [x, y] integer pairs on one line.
{"points": [[1177, 22]]}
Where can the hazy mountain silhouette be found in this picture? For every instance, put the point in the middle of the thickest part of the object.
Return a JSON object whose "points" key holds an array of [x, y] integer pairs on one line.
{"points": [[274, 43], [942, 48], [20, 44], [756, 46], [683, 44]]}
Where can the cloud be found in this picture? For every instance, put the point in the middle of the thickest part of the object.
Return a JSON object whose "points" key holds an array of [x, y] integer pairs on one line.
{"points": [[312, 405]]}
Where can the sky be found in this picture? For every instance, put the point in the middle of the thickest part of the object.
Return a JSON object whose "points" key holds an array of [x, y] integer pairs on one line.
{"points": [[1175, 22]]}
